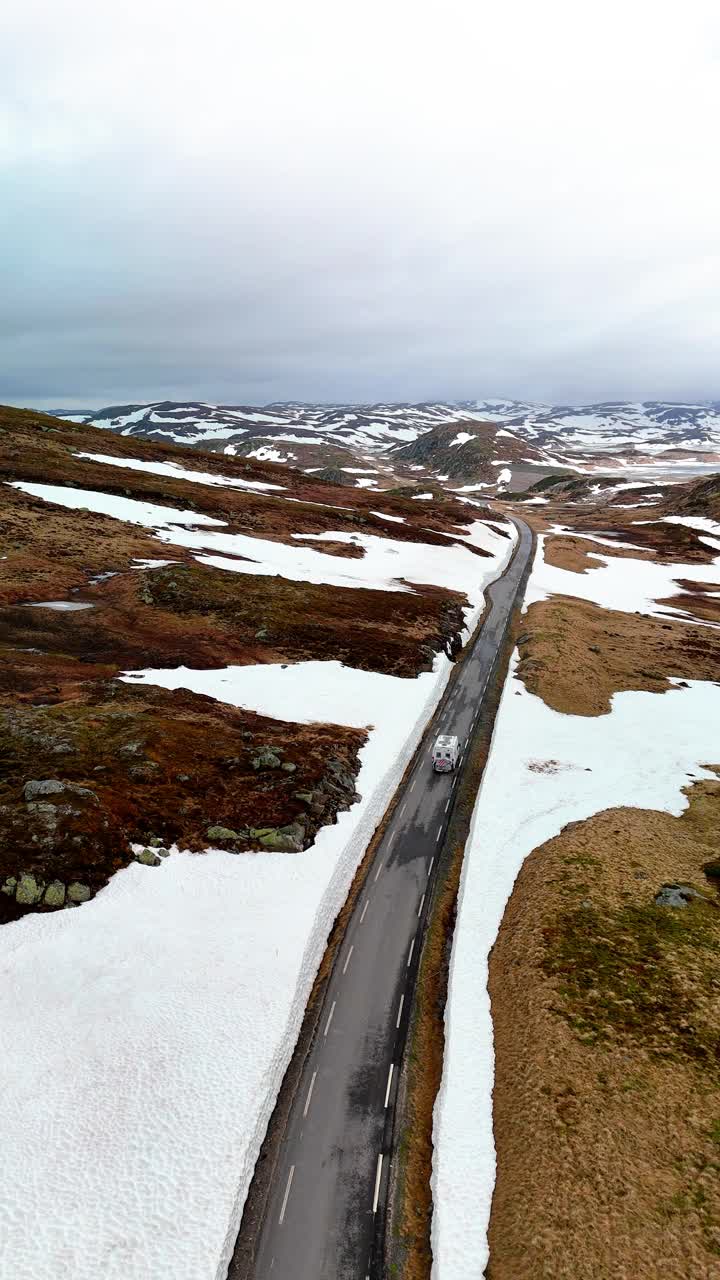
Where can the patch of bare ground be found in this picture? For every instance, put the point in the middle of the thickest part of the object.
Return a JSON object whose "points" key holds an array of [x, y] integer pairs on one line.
{"points": [[699, 498], [606, 1018], [563, 551], [656, 540], [662, 543], [701, 599], [576, 655], [151, 762], [197, 615], [345, 550]]}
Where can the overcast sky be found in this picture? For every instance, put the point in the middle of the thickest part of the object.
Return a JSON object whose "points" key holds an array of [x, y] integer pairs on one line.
{"points": [[245, 201]]}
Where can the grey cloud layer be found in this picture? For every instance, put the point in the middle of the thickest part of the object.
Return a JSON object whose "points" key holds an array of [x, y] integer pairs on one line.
{"points": [[399, 203]]}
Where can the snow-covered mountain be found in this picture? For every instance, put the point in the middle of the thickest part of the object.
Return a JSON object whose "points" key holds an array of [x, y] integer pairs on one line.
{"points": [[646, 425], [626, 427], [333, 436], [479, 452], [215, 426]]}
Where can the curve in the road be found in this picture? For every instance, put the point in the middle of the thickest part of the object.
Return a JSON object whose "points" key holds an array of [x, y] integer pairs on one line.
{"points": [[322, 1210]]}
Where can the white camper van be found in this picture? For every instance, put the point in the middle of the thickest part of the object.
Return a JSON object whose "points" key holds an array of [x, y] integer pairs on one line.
{"points": [[445, 753]]}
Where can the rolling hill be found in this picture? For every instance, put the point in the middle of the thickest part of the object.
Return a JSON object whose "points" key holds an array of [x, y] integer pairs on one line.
{"points": [[377, 445]]}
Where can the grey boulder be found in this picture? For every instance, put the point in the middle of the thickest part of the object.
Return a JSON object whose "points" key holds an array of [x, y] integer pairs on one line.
{"points": [[79, 892], [29, 890], [148, 857], [54, 895], [222, 833]]}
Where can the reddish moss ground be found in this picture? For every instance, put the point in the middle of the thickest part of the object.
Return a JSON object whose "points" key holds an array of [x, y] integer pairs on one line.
{"points": [[41, 449], [607, 1043], [173, 764], [160, 763]]}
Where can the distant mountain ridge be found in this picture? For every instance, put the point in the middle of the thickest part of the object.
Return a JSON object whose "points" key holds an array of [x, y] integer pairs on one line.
{"points": [[422, 436], [374, 424]]}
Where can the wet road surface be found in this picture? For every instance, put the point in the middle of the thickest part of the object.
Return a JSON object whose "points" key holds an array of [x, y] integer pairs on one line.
{"points": [[331, 1176]]}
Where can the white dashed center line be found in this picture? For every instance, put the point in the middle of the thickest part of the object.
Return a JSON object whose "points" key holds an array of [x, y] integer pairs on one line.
{"points": [[287, 1193], [400, 1007], [412, 948], [378, 1175], [390, 1076], [347, 960], [367, 901], [422, 903], [330, 1018], [309, 1094]]}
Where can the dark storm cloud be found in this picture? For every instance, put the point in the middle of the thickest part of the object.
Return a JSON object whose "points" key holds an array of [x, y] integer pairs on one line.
{"points": [[254, 206]]}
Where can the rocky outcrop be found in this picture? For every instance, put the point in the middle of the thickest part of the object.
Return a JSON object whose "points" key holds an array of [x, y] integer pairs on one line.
{"points": [[54, 895], [36, 791], [222, 833], [267, 758], [79, 892], [29, 890], [148, 857], [289, 839]]}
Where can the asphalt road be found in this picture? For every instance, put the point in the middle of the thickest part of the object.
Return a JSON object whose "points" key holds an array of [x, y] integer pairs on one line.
{"points": [[331, 1177]]}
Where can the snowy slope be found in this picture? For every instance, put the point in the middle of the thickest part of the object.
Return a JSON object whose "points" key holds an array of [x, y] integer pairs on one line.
{"points": [[641, 755], [145, 1034], [168, 1006], [618, 429], [370, 427], [387, 564], [622, 582]]}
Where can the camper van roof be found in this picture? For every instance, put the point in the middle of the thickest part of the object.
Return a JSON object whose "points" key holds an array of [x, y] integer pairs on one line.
{"points": [[445, 740]]}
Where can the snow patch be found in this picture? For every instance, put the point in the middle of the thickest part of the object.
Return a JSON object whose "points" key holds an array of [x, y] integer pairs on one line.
{"points": [[627, 584], [266, 453], [176, 472], [154, 1047], [640, 756], [384, 516], [383, 565]]}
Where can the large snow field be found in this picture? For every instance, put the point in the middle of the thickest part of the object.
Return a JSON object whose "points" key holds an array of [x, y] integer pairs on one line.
{"points": [[387, 564], [176, 472], [623, 583], [639, 755], [132, 510], [146, 1033]]}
